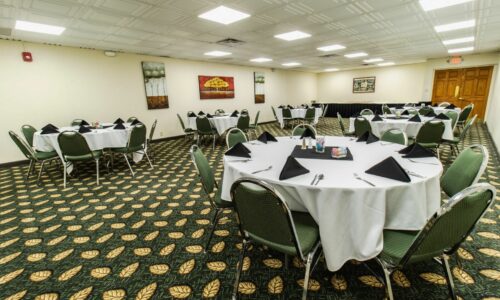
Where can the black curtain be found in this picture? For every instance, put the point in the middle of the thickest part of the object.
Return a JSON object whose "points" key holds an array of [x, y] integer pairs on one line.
{"points": [[351, 109]]}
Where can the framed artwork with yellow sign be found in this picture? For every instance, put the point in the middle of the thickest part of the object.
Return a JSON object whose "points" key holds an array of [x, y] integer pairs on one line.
{"points": [[216, 87]]}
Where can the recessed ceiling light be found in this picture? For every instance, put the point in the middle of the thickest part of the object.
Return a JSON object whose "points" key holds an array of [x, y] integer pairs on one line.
{"points": [[40, 28], [385, 64], [291, 64], [292, 35], [455, 26], [435, 4], [456, 50], [372, 60], [217, 53], [356, 54], [331, 70], [331, 48], [261, 59], [224, 15], [459, 41]]}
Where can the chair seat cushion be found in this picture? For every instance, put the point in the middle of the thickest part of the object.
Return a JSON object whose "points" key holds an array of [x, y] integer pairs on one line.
{"points": [[429, 145], [45, 155], [127, 150], [396, 244], [189, 130], [95, 155], [455, 140], [221, 203]]}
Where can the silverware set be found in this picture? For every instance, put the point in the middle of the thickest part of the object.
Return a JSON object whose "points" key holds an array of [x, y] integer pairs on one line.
{"points": [[240, 160], [263, 170], [362, 179], [414, 174], [317, 178], [421, 162]]}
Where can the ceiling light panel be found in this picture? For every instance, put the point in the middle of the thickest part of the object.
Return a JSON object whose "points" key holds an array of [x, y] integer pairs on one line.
{"points": [[331, 70], [428, 5], [459, 41], [372, 60], [261, 59], [331, 48], [457, 50], [292, 35], [455, 26], [356, 54], [39, 28], [224, 15], [291, 64], [217, 53], [385, 64]]}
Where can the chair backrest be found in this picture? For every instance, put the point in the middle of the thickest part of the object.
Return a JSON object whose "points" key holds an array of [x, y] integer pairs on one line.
{"points": [[264, 216], [299, 130], [341, 123], [203, 125], [453, 115], [466, 170], [137, 136], [28, 152], [181, 121], [310, 113], [464, 114], [286, 113], [203, 168], [243, 122], [386, 109], [234, 136], [366, 112], [424, 111], [76, 122], [244, 111], [451, 224], [152, 130], [28, 132], [73, 144], [430, 132], [395, 136], [256, 121], [274, 113], [444, 104], [412, 111], [467, 127], [325, 110], [361, 125], [409, 104], [219, 111], [131, 119]]}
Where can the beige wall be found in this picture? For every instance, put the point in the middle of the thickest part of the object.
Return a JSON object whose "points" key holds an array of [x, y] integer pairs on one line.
{"points": [[493, 112], [65, 83]]}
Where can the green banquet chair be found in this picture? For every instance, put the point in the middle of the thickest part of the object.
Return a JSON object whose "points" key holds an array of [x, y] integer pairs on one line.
{"points": [[253, 127], [204, 128], [466, 170], [361, 125], [209, 184], [310, 115], [464, 115], [453, 144], [244, 111], [324, 110], [265, 219], [131, 119], [299, 129], [453, 115], [28, 132], [440, 238], [386, 109], [444, 104], [136, 143], [33, 156], [187, 131], [235, 136], [424, 111], [149, 141], [342, 127], [286, 114], [396, 136], [430, 135], [243, 123], [74, 147], [274, 113], [219, 111], [76, 122], [366, 112]]}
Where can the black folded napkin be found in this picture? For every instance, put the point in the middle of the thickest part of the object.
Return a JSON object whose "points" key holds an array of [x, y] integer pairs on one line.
{"points": [[415, 118], [377, 118], [431, 114], [135, 122], [451, 106], [49, 126], [281, 106], [416, 151], [442, 116], [119, 121], [238, 150], [389, 168], [49, 130], [119, 126], [209, 116], [201, 113], [266, 137], [405, 113], [290, 107], [435, 104], [292, 168], [308, 133], [84, 123], [192, 115], [368, 137], [234, 114], [84, 129]]}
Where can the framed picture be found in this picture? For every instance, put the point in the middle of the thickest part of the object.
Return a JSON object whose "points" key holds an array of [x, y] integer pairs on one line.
{"points": [[259, 81], [216, 87], [155, 84], [363, 85]]}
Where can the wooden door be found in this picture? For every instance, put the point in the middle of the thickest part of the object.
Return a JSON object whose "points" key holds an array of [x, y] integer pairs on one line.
{"points": [[463, 86]]}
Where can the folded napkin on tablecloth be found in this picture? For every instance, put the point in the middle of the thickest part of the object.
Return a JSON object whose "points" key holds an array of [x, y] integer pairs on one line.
{"points": [[451, 106], [405, 113], [292, 168], [368, 137], [415, 118], [84, 123], [308, 133], [135, 122], [84, 129], [49, 129], [238, 150], [431, 114], [377, 118], [119, 126], [201, 113], [266, 137], [209, 116], [442, 116], [234, 114], [389, 168], [192, 115], [416, 151], [119, 121]]}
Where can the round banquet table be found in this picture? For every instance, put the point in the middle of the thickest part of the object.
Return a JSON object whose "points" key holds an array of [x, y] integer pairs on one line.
{"points": [[220, 123], [437, 109], [410, 128], [350, 213], [297, 113]]}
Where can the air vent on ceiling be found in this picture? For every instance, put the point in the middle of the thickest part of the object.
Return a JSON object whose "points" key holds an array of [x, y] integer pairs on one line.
{"points": [[5, 31], [230, 42], [329, 55]]}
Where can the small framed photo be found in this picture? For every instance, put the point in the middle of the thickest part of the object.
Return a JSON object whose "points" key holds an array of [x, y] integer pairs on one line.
{"points": [[363, 85]]}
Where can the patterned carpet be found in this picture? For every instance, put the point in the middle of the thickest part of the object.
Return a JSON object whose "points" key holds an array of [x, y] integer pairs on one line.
{"points": [[142, 237]]}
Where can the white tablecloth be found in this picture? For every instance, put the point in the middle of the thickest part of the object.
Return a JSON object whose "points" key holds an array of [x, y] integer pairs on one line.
{"points": [[437, 110], [221, 124], [411, 128], [297, 113], [350, 213]]}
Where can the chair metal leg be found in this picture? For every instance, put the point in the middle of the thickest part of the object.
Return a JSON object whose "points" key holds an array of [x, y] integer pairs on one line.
{"points": [[213, 143], [129, 166], [147, 156], [449, 278], [214, 224], [40, 172], [97, 170], [388, 286], [238, 270], [306, 276], [30, 169], [65, 173]]}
